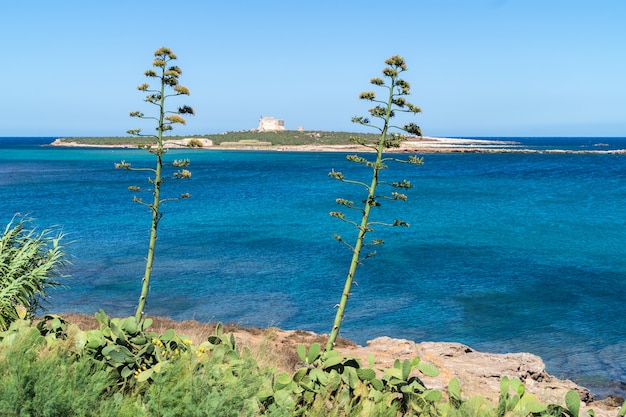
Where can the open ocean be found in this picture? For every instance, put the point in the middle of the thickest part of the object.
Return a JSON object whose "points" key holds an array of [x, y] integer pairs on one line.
{"points": [[506, 252]]}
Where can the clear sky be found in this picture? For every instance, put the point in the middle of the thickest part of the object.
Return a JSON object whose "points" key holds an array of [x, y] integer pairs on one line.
{"points": [[476, 67]]}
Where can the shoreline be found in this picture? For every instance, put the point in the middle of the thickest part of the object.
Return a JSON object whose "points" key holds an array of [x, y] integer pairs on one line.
{"points": [[478, 372], [425, 145]]}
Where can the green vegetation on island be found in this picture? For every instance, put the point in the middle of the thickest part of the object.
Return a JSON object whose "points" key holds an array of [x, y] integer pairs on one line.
{"points": [[278, 138]]}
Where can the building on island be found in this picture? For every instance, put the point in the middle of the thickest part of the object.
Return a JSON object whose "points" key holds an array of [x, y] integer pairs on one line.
{"points": [[269, 124]]}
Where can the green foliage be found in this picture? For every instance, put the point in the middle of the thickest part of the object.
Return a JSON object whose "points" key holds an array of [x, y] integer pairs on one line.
{"points": [[330, 381], [53, 326], [513, 401], [210, 380], [30, 265], [130, 352], [221, 339], [168, 86], [195, 143], [385, 110], [520, 402], [42, 379], [78, 374], [17, 326]]}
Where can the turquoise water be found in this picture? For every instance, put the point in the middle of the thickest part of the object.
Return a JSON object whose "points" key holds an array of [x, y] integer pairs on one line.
{"points": [[505, 253]]}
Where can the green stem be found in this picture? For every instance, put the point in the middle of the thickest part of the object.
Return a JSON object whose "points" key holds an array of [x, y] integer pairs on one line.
{"points": [[145, 282], [363, 227]]}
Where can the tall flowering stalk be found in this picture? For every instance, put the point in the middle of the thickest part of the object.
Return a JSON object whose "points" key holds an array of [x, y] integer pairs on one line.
{"points": [[167, 78], [385, 109]]}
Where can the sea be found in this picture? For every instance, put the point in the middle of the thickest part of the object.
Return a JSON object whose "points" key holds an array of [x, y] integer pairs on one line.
{"points": [[506, 252]]}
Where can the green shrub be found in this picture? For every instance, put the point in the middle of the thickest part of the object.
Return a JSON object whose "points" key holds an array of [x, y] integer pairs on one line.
{"points": [[42, 379], [208, 385], [30, 265], [42, 374], [128, 351], [340, 385], [195, 143]]}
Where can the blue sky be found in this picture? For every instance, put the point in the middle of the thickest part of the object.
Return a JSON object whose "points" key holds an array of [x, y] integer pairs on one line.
{"points": [[476, 67]]}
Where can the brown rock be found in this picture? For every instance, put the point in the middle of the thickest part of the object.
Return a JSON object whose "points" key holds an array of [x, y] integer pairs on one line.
{"points": [[479, 373]]}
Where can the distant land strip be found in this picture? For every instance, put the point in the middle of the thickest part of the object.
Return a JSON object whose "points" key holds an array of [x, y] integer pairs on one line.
{"points": [[318, 141]]}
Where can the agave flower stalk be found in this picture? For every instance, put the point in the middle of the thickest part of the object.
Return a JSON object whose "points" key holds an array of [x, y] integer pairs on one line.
{"points": [[167, 77], [385, 110]]}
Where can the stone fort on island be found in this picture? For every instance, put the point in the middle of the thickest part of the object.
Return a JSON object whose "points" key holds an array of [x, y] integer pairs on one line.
{"points": [[269, 124]]}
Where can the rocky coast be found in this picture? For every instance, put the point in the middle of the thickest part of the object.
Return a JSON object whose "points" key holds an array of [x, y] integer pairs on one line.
{"points": [[479, 373]]}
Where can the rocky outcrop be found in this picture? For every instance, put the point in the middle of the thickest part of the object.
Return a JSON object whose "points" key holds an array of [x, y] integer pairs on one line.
{"points": [[478, 372], [188, 143]]}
